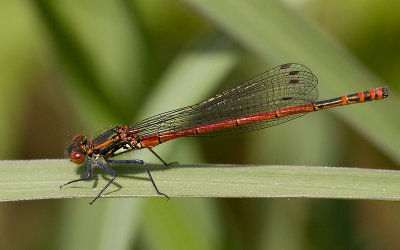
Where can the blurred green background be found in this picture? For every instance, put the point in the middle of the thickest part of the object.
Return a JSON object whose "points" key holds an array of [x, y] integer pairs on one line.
{"points": [[70, 67]]}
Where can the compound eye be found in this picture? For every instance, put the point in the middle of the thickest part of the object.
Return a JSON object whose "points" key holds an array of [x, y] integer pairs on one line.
{"points": [[77, 157]]}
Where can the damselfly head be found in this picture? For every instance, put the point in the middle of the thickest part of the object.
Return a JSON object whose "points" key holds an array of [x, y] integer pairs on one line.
{"points": [[77, 149]]}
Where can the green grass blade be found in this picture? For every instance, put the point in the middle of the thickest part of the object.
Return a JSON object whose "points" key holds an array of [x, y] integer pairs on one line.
{"points": [[40, 179]]}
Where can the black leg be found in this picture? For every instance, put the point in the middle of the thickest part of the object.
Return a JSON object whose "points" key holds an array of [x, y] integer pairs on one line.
{"points": [[137, 161], [108, 170], [87, 177], [161, 159]]}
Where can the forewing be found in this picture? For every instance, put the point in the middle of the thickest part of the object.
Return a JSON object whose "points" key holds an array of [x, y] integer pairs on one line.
{"points": [[284, 86]]}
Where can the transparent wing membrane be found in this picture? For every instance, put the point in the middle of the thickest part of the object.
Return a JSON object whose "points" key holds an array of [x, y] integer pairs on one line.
{"points": [[285, 86]]}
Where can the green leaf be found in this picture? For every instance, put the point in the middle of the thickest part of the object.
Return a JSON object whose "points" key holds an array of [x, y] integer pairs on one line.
{"points": [[40, 179]]}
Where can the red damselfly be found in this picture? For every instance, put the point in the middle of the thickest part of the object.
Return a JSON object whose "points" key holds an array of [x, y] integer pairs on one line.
{"points": [[269, 99]]}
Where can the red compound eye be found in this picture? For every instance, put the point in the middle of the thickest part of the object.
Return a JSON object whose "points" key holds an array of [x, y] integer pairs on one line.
{"points": [[77, 157]]}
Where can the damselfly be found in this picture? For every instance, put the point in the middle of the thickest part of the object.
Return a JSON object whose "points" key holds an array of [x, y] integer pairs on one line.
{"points": [[269, 99]]}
